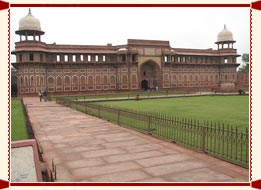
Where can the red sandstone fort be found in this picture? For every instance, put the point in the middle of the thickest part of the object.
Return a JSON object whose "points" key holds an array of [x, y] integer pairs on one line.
{"points": [[137, 65]]}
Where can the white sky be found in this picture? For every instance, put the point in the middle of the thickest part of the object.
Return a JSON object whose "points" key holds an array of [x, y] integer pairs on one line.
{"points": [[183, 27]]}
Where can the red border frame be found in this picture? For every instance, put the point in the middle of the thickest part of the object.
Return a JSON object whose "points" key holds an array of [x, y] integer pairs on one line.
{"points": [[253, 5], [129, 5]]}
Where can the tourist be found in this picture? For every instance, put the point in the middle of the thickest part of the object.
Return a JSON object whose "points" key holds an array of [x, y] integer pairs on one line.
{"points": [[40, 95], [45, 95], [212, 86]]}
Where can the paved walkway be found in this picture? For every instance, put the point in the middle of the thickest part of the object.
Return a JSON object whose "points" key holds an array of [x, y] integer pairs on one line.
{"points": [[89, 149]]}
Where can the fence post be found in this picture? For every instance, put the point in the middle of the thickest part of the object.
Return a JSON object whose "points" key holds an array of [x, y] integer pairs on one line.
{"points": [[149, 126], [76, 103], [99, 112], [203, 138], [118, 116]]}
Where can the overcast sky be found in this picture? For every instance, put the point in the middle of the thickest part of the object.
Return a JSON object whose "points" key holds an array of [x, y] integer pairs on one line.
{"points": [[183, 27]]}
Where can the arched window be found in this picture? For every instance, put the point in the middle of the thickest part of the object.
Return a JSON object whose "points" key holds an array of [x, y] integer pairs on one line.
{"points": [[67, 81], [124, 79], [206, 77], [42, 80], [166, 78], [75, 80], [50, 81], [216, 77], [180, 77], [59, 81], [98, 80], [105, 80], [32, 81], [185, 78], [190, 77], [25, 81], [38, 81], [196, 78], [133, 79], [201, 77], [211, 77], [90, 80], [112, 79], [82, 80]]}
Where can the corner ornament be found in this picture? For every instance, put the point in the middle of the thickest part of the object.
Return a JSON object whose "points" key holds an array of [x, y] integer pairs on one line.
{"points": [[4, 5], [256, 5], [4, 184], [256, 184]]}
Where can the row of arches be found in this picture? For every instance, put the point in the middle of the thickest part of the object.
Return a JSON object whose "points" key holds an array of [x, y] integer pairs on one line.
{"points": [[39, 80], [88, 80], [32, 80]]}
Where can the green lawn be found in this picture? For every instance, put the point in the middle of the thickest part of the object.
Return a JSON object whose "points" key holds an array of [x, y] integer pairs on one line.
{"points": [[18, 123], [231, 110], [143, 94], [221, 141]]}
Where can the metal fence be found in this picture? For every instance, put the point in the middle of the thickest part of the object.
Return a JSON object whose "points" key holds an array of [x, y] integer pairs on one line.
{"points": [[221, 141]]}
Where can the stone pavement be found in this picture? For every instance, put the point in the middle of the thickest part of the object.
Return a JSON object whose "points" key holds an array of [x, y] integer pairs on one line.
{"points": [[88, 149]]}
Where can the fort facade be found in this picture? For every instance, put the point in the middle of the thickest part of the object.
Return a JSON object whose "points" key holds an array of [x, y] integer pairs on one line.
{"points": [[137, 65]]}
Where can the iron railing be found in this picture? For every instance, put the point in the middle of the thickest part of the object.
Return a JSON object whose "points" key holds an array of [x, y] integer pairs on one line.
{"points": [[219, 140]]}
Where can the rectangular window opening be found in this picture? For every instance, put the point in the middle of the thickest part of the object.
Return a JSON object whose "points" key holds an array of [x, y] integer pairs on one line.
{"points": [[58, 58], [21, 57], [89, 58], [66, 58], [165, 58], [74, 58], [81, 57], [41, 57], [123, 58], [31, 57]]}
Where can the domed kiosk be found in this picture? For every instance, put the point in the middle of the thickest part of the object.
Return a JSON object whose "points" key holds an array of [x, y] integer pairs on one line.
{"points": [[225, 39], [29, 26]]}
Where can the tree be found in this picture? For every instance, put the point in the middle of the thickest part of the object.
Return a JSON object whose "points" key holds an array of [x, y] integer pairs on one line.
{"points": [[245, 58], [245, 66]]}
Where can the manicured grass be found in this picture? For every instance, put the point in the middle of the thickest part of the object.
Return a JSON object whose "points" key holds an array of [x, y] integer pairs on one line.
{"points": [[230, 110], [18, 123], [131, 95], [221, 141]]}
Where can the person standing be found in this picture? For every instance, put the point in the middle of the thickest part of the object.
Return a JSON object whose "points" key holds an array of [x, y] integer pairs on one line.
{"points": [[45, 95], [40, 95], [212, 87]]}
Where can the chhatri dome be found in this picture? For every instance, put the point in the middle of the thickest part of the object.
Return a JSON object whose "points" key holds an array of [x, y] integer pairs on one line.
{"points": [[29, 22], [225, 35], [29, 26]]}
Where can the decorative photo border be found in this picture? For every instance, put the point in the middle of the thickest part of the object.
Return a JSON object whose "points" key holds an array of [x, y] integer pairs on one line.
{"points": [[253, 184]]}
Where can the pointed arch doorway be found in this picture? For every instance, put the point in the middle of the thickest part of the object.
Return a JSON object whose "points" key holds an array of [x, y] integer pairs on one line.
{"points": [[149, 75]]}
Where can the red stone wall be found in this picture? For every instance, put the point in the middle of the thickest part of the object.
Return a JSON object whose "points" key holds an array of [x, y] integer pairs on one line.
{"points": [[242, 81]]}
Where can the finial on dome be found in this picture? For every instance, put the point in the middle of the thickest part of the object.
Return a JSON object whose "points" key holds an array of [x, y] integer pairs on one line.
{"points": [[29, 11]]}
